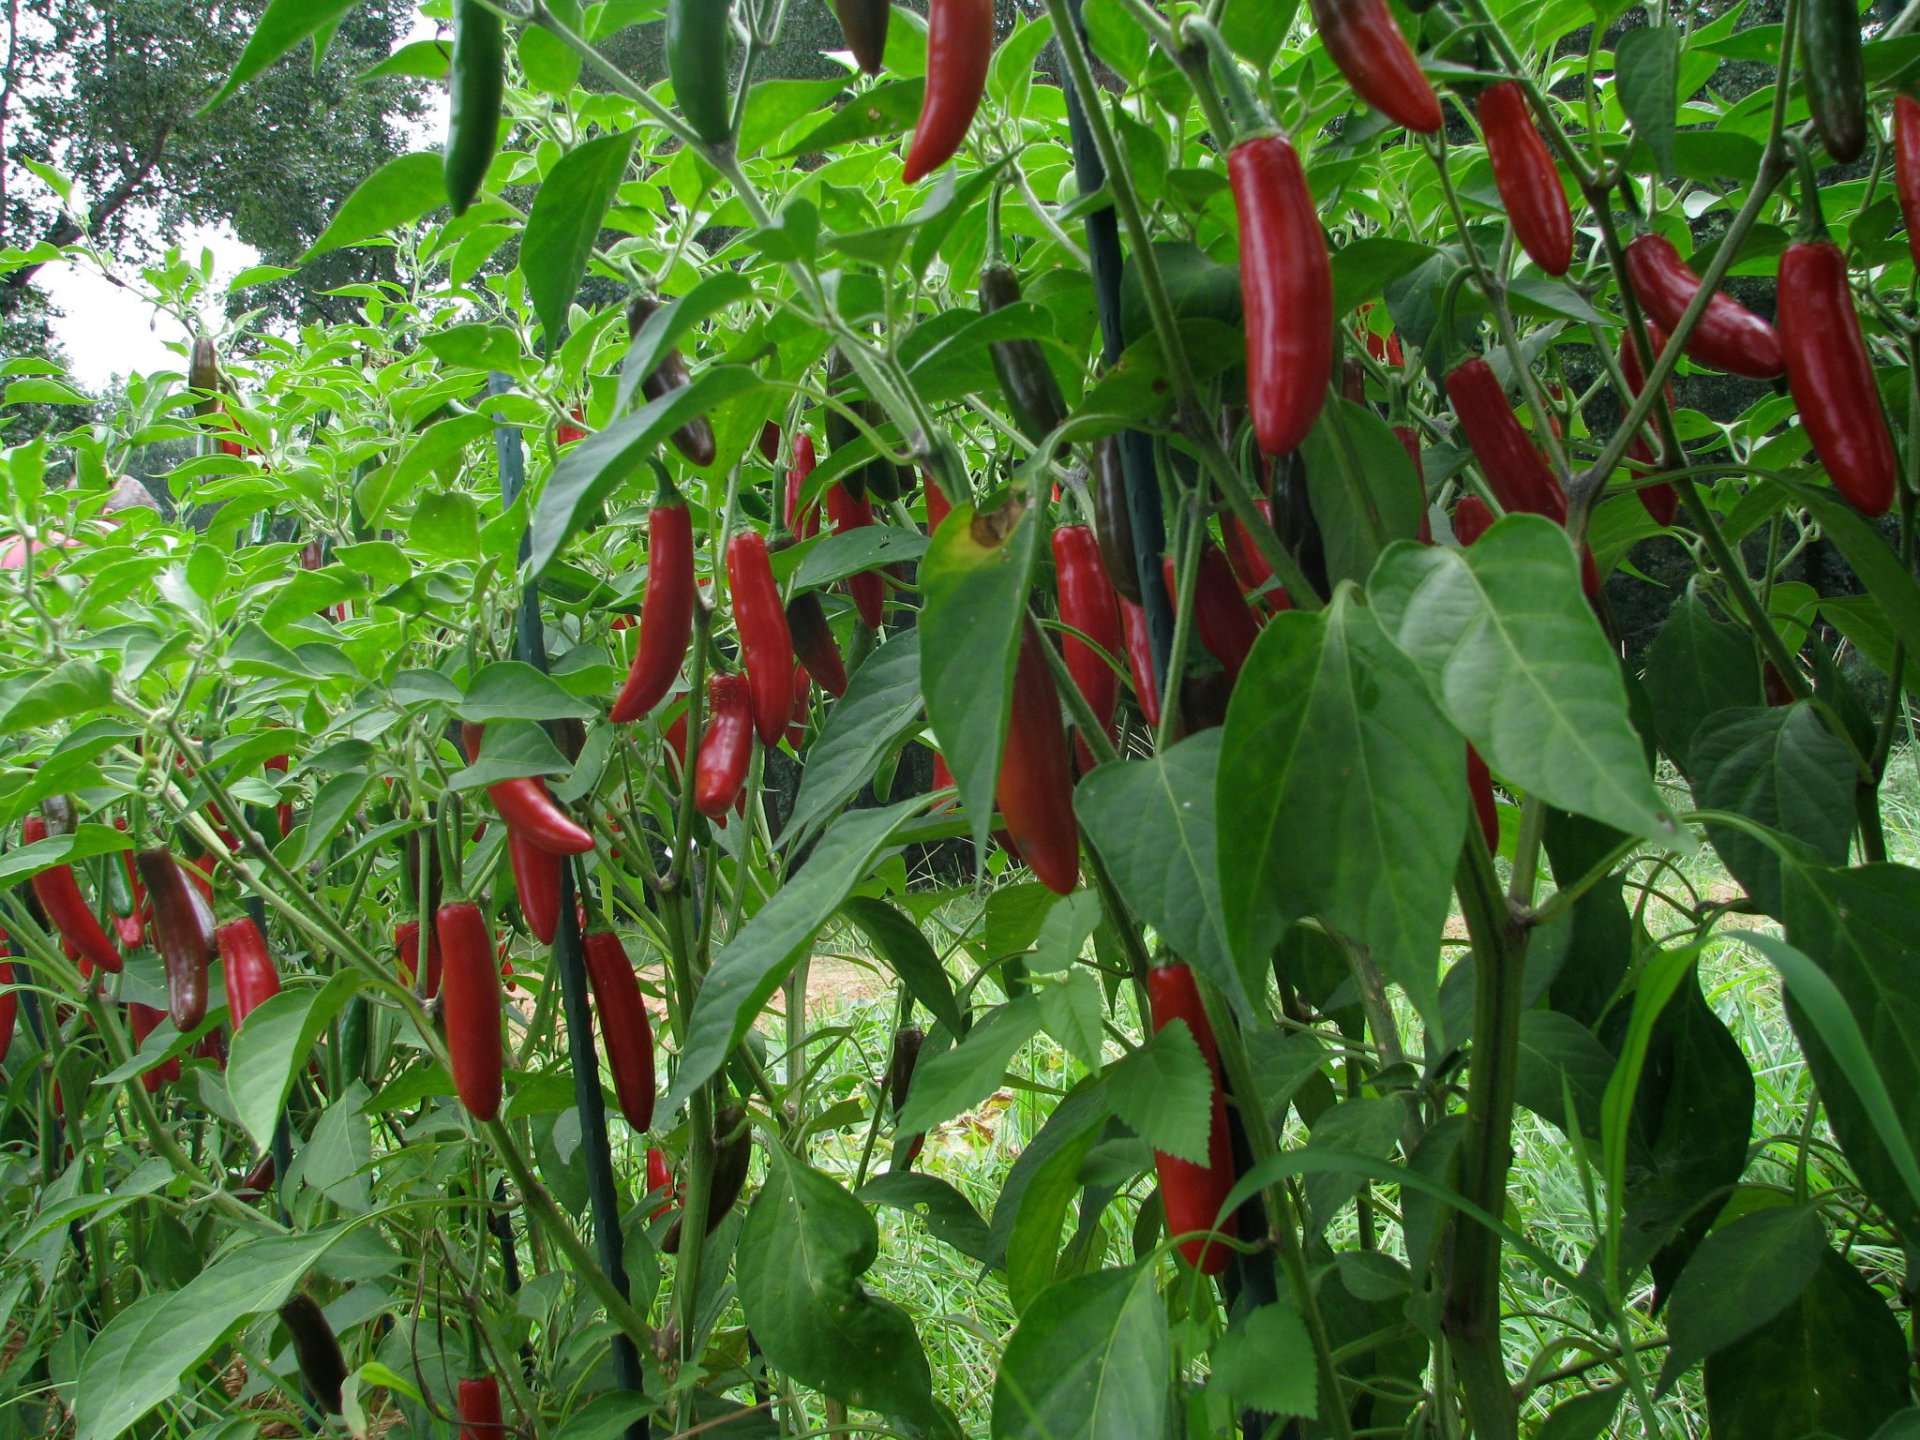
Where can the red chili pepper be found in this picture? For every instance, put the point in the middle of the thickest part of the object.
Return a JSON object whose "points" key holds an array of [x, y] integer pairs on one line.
{"points": [[1528, 182], [660, 1181], [537, 875], [9, 1003], [1089, 605], [571, 430], [802, 708], [1906, 165], [59, 895], [1220, 615], [1133, 625], [942, 779], [247, 967], [142, 1020], [851, 512], [529, 810], [1472, 518], [1374, 56], [283, 812], [1729, 336], [1287, 281], [938, 505], [625, 1031], [677, 743], [813, 642], [769, 441], [1480, 787], [1662, 502], [256, 1181], [666, 616], [1191, 1193], [1035, 786], [1514, 466], [182, 933], [726, 748], [959, 48], [803, 523], [479, 1405], [406, 944], [766, 645], [471, 1006], [1831, 375]]}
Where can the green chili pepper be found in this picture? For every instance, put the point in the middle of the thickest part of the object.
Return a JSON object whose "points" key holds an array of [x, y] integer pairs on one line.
{"points": [[1831, 69], [476, 83], [697, 64]]}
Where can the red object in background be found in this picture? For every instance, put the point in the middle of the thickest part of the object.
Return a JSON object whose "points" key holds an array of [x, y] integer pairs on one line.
{"points": [[479, 1407], [1220, 615], [142, 1020], [571, 431], [1192, 1194], [1088, 604], [1133, 625], [666, 615], [1286, 279], [406, 945], [766, 645], [1480, 787], [59, 895], [247, 967], [805, 524], [1528, 180], [660, 1181], [536, 883], [854, 512]]}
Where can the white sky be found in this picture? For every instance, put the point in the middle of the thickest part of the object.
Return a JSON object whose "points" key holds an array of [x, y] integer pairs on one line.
{"points": [[109, 330]]}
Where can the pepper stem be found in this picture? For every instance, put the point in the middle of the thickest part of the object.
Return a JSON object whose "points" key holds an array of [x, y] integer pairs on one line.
{"points": [[1248, 117], [1813, 223], [667, 494]]}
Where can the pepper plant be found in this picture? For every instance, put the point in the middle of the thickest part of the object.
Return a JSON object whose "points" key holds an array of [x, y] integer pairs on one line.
{"points": [[1217, 444]]}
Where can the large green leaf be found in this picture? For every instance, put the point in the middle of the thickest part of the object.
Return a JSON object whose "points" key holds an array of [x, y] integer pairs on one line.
{"points": [[804, 1247], [1780, 767], [958, 1079], [1646, 65], [273, 1046], [564, 222], [976, 576], [137, 1361], [1862, 928], [1341, 793], [880, 709], [899, 942], [1089, 1361], [1152, 821], [1832, 1363], [753, 964], [1697, 665], [1164, 1092], [1515, 658], [1362, 483], [1743, 1275], [397, 194]]}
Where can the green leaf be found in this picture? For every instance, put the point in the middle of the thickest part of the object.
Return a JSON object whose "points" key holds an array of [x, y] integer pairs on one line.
{"points": [[273, 1045], [1851, 997], [514, 690], [747, 972], [44, 392], [880, 709], [899, 942], [589, 470], [950, 1217], [1164, 1092], [1071, 1011], [1089, 1361], [1743, 1275], [1559, 1059], [1584, 1417], [1695, 666], [334, 803], [1363, 268], [976, 577], [137, 1360], [1513, 655], [803, 1249], [1833, 1363], [395, 195], [284, 25], [1646, 64], [1033, 1243], [868, 547], [1265, 1362], [1341, 793], [956, 1080], [78, 687], [1255, 28], [84, 841], [564, 222], [1878, 568], [1782, 768], [1361, 482]]}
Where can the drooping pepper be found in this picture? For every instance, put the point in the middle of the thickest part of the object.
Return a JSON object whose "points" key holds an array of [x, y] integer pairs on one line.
{"points": [[406, 945], [1035, 786], [1220, 615], [695, 438], [1831, 374], [283, 812], [864, 24], [1026, 377], [478, 1402], [878, 477], [1112, 520], [959, 50], [470, 1003], [1286, 280], [529, 809], [1729, 337], [1472, 518], [726, 749], [1527, 179], [1662, 502], [182, 933], [901, 1063], [802, 708], [938, 505], [766, 645], [317, 1350], [869, 591], [247, 967], [659, 1181], [813, 642], [1834, 74], [804, 523], [1193, 1193], [1363, 41], [666, 616], [733, 1150], [67, 910], [476, 85], [1088, 604], [1906, 165], [626, 1034], [697, 34], [1133, 625], [537, 876], [1250, 567]]}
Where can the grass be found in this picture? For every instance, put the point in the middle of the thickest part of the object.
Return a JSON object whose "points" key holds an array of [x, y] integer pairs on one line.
{"points": [[965, 1315]]}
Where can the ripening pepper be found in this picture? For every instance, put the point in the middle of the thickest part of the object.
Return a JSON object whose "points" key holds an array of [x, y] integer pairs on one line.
{"points": [[804, 523], [869, 591], [1729, 336], [666, 616], [766, 645], [470, 1004], [1026, 377], [1286, 280], [864, 24], [813, 642], [1662, 502], [1525, 174], [1034, 789], [659, 1181], [1833, 71], [1193, 1193], [478, 1401], [182, 933], [1112, 519], [732, 1152], [959, 50], [406, 945], [694, 439], [247, 967], [901, 1063], [317, 1350], [726, 748], [626, 1034], [1220, 615]]}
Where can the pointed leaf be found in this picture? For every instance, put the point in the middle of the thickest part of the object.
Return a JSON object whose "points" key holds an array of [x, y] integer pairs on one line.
{"points": [[880, 709], [1743, 1275], [565, 221], [397, 194], [956, 1080], [1164, 1092], [1089, 1361], [273, 1045]]}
